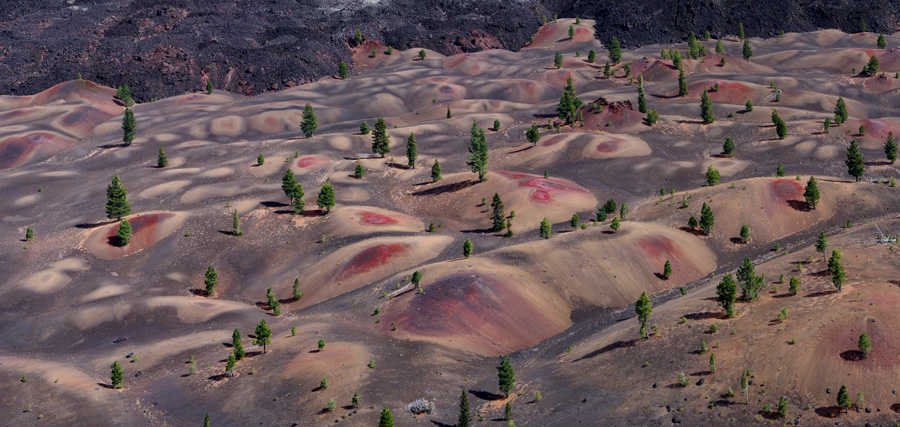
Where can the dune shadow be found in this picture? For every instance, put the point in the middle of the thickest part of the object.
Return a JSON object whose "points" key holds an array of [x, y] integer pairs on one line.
{"points": [[86, 225], [821, 273], [218, 377], [694, 231], [660, 276], [700, 373], [785, 295], [273, 204], [608, 348], [853, 355], [478, 230], [799, 205], [446, 188], [105, 386], [664, 96], [315, 351], [199, 292], [771, 415], [705, 316], [724, 402], [486, 395], [530, 146], [829, 411], [440, 424], [737, 241], [324, 411], [108, 146], [820, 294]]}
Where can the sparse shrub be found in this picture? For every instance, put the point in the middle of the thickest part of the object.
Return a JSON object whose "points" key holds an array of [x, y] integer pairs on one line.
{"points": [[323, 384]]}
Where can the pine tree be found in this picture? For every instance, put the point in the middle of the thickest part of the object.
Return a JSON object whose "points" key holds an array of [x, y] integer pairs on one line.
{"points": [[467, 248], [497, 215], [289, 185], [652, 117], [123, 233], [682, 84], [310, 123], [741, 30], [779, 171], [237, 345], [412, 151], [296, 290], [836, 267], [623, 212], [811, 194], [436, 171], [533, 133], [478, 160], [364, 128], [712, 176], [615, 51], [129, 127], [607, 71], [840, 111], [342, 70], [507, 413], [381, 143], [644, 310], [575, 221], [229, 364], [206, 421], [706, 219], [449, 114], [592, 56], [236, 224], [855, 161], [882, 43], [865, 344], [706, 108], [422, 54], [794, 285], [745, 233], [359, 172], [843, 398], [727, 293], [558, 60], [822, 244], [614, 224], [496, 125], [506, 376], [29, 234], [260, 160], [692, 223], [667, 270], [719, 47], [890, 148], [642, 103], [117, 205], [386, 420], [263, 335], [354, 402], [209, 87], [210, 280], [749, 105], [569, 103], [827, 125], [161, 159], [464, 419], [546, 229], [872, 67], [728, 147], [326, 197], [747, 51], [712, 362], [693, 46], [116, 374]]}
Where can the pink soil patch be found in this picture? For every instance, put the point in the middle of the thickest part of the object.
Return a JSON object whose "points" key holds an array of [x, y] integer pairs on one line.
{"points": [[610, 146], [553, 140], [889, 59], [371, 258], [657, 247], [18, 150], [654, 69], [621, 114], [544, 36], [312, 161], [840, 341], [84, 119], [447, 89], [729, 92], [11, 116], [558, 78], [875, 128], [145, 229], [582, 35], [477, 310], [545, 188], [784, 190], [371, 218]]}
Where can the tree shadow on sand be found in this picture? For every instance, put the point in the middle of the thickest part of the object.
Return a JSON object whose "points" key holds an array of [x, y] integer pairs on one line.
{"points": [[486, 395], [853, 355], [608, 348], [820, 294], [799, 205], [447, 188], [829, 411]]}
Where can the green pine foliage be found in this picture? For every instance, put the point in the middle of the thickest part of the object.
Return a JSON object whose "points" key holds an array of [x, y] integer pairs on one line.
{"points": [[726, 291], [855, 161], [592, 56], [326, 197], [123, 233], [436, 171], [263, 334], [161, 159], [116, 375], [342, 70], [117, 205], [667, 270], [364, 128], [840, 111], [237, 345], [712, 176], [210, 280], [707, 220], [747, 51], [615, 51], [569, 102], [643, 308], [468, 247], [546, 229], [533, 133], [882, 43], [890, 148], [29, 234], [836, 267], [209, 87], [381, 143], [706, 111], [728, 147], [412, 151], [310, 123], [505, 375], [558, 60], [386, 420], [478, 158], [682, 83], [129, 127], [359, 172], [236, 224], [498, 217], [464, 419], [872, 67]]}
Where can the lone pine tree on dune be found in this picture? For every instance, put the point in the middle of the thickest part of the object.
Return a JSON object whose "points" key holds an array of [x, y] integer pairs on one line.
{"points": [[412, 151], [117, 205], [726, 291], [129, 127], [386, 419], [310, 123], [505, 376], [123, 233], [116, 375], [644, 310], [210, 280], [263, 335], [464, 419], [855, 161], [478, 158], [381, 143], [326, 197]]}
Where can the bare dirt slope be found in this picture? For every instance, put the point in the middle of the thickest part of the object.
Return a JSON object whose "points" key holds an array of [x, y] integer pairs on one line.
{"points": [[72, 301]]}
